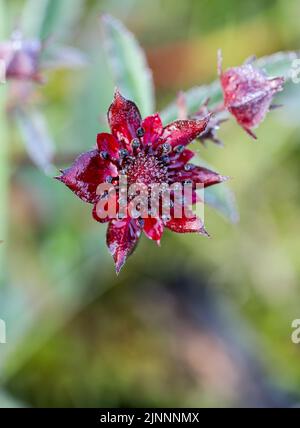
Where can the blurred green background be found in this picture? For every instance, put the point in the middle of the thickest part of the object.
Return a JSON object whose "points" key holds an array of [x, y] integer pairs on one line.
{"points": [[197, 322]]}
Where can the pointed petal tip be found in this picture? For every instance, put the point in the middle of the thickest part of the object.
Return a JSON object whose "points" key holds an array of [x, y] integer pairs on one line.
{"points": [[60, 177], [207, 118], [224, 178], [203, 123], [204, 232], [119, 265], [278, 81], [250, 132], [118, 95], [219, 143], [275, 106]]}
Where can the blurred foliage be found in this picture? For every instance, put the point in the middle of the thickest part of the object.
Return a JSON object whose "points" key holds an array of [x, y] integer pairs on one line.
{"points": [[197, 322]]}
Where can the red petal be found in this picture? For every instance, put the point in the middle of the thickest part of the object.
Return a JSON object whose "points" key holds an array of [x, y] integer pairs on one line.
{"points": [[179, 160], [153, 128], [248, 94], [122, 237], [251, 113], [199, 174], [100, 213], [183, 132], [107, 143], [186, 225], [153, 228], [124, 118], [86, 173]]}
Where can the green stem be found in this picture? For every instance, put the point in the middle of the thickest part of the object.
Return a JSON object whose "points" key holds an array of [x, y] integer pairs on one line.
{"points": [[4, 168]]}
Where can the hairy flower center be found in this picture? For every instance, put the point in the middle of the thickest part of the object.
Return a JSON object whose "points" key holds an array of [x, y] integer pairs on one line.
{"points": [[146, 169]]}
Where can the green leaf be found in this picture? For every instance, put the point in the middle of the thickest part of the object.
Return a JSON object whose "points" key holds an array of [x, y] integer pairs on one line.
{"points": [[39, 144], [278, 64], [60, 56], [9, 402], [194, 98], [44, 18], [128, 63], [220, 197], [52, 12]]}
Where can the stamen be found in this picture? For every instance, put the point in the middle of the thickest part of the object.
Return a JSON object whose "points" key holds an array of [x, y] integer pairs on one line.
{"points": [[189, 167], [179, 149], [166, 148], [140, 132], [123, 153], [135, 143], [141, 222], [165, 159], [104, 155]]}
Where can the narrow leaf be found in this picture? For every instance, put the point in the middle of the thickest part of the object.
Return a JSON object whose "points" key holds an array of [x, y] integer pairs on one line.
{"points": [[59, 56], [222, 199], [49, 18], [278, 64], [194, 98], [128, 63], [38, 142], [9, 402]]}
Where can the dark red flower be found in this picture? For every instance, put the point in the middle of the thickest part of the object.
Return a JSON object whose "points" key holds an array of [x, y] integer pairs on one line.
{"points": [[248, 93], [21, 58], [146, 153]]}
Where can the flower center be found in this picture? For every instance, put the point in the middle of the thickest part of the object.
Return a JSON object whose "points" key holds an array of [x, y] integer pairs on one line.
{"points": [[145, 169]]}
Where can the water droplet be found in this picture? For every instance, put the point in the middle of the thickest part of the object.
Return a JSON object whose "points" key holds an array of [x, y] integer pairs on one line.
{"points": [[141, 222], [188, 167], [179, 149], [104, 155], [120, 216], [166, 217], [123, 153], [135, 143], [140, 132], [165, 159], [166, 148]]}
